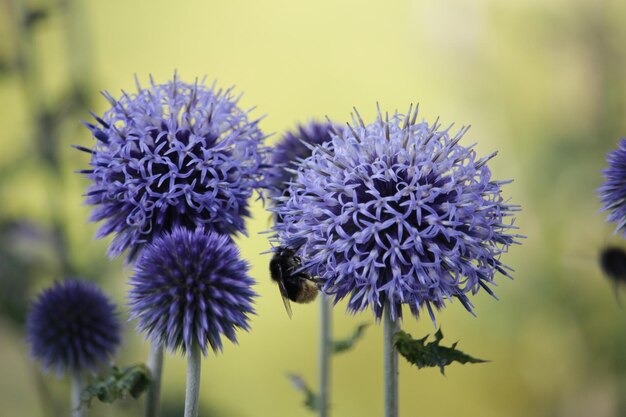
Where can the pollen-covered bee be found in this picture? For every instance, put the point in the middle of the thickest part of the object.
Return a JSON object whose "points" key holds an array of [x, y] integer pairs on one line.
{"points": [[294, 285], [613, 264]]}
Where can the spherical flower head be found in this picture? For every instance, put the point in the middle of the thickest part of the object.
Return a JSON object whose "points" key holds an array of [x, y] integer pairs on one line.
{"points": [[191, 287], [292, 148], [397, 212], [72, 326], [613, 192], [172, 154]]}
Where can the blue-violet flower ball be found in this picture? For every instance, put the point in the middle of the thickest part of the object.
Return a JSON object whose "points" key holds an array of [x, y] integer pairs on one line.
{"points": [[291, 149], [72, 326], [397, 212], [172, 154], [191, 287], [613, 192]]}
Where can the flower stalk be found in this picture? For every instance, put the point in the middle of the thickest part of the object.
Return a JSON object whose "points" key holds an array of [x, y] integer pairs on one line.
{"points": [[401, 200], [155, 364], [390, 359], [78, 385], [324, 360], [192, 390], [190, 289]]}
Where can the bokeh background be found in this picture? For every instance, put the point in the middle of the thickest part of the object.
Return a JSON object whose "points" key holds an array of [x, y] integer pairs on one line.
{"points": [[544, 83]]}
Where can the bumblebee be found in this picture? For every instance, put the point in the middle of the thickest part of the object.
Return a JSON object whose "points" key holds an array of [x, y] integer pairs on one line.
{"points": [[294, 285], [613, 264]]}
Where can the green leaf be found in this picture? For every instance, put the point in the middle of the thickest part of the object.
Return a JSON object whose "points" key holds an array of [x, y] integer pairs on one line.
{"points": [[339, 346], [311, 399], [118, 383], [423, 355]]}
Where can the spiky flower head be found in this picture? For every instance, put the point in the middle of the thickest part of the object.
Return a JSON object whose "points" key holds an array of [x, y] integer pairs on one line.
{"points": [[291, 149], [397, 212], [72, 326], [613, 192], [172, 154], [191, 287]]}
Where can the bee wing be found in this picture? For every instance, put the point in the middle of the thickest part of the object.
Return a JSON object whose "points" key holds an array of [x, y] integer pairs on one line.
{"points": [[287, 306], [283, 295]]}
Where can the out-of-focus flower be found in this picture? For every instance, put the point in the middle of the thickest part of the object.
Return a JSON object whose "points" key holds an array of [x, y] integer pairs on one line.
{"points": [[613, 192], [397, 211], [72, 326], [291, 149], [191, 287], [172, 154]]}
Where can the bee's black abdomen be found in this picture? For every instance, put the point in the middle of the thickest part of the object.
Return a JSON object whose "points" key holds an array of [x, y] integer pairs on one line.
{"points": [[613, 263], [293, 289]]}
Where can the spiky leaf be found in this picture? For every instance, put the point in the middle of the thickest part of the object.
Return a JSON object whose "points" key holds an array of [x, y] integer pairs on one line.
{"points": [[118, 383], [311, 399], [346, 344], [431, 354]]}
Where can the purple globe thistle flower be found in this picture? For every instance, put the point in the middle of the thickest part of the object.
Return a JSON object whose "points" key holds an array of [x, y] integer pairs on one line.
{"points": [[172, 154], [191, 287], [290, 150], [397, 211], [72, 326], [613, 192]]}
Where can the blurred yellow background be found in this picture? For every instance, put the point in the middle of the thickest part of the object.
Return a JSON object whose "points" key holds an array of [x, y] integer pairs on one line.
{"points": [[544, 83]]}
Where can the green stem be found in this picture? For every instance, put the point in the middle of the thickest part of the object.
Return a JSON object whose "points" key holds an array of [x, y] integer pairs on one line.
{"points": [[153, 397], [324, 364], [78, 384], [390, 353], [192, 391]]}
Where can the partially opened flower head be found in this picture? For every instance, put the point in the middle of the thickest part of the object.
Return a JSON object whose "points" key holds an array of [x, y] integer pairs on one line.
{"points": [[613, 192], [191, 287], [292, 149], [72, 326], [397, 211], [172, 154]]}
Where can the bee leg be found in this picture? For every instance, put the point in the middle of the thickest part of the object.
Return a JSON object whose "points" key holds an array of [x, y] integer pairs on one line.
{"points": [[616, 292]]}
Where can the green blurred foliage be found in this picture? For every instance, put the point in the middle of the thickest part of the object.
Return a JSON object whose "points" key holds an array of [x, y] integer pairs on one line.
{"points": [[431, 354], [116, 384], [542, 82], [346, 344]]}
